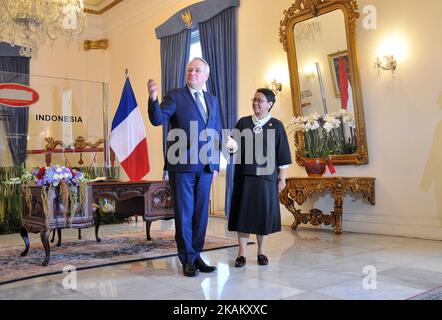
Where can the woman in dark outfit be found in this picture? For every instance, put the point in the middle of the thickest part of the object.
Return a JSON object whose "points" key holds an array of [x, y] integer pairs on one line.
{"points": [[255, 200]]}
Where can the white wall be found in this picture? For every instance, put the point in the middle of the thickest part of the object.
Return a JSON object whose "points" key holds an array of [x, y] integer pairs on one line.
{"points": [[403, 113], [72, 61], [403, 117]]}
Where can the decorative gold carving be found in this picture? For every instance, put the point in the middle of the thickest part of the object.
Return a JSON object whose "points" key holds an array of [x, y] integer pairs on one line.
{"points": [[161, 199], [52, 144], [300, 189], [80, 143], [303, 10], [313, 8], [187, 18], [95, 44]]}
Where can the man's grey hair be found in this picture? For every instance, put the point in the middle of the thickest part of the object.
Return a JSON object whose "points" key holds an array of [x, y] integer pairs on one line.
{"points": [[203, 61]]}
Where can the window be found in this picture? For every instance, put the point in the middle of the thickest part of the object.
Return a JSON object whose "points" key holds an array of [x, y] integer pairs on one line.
{"points": [[196, 51], [195, 45]]}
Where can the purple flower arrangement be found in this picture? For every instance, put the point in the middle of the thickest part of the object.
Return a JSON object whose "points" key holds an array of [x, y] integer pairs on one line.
{"points": [[54, 175]]}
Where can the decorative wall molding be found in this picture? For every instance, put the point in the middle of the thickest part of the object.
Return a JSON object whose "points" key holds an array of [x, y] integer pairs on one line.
{"points": [[133, 12], [104, 9], [382, 224], [393, 229]]}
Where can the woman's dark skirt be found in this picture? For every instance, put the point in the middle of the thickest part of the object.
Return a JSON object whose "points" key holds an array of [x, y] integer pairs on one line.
{"points": [[255, 206]]}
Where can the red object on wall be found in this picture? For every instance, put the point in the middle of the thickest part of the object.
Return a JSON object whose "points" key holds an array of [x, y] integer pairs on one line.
{"points": [[343, 83], [17, 95]]}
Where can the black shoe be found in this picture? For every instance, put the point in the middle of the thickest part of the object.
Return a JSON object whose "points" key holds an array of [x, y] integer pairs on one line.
{"points": [[189, 270], [262, 260], [203, 267], [240, 262]]}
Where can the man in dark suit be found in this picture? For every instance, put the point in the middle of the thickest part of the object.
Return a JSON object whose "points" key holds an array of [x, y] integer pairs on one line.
{"points": [[192, 158]]}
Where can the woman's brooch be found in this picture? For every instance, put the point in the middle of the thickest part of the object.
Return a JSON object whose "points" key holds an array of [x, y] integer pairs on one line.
{"points": [[257, 129]]}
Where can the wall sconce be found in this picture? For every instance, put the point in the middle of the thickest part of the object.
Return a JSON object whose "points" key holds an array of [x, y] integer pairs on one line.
{"points": [[309, 71], [386, 63], [275, 86], [95, 44]]}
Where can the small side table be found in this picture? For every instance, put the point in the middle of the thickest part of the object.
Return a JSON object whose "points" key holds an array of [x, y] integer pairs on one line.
{"points": [[300, 189]]}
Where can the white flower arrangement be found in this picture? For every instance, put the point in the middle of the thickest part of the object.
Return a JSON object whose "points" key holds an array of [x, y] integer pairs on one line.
{"points": [[326, 135]]}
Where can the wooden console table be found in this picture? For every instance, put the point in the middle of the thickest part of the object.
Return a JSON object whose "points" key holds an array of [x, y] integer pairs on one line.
{"points": [[300, 189]]}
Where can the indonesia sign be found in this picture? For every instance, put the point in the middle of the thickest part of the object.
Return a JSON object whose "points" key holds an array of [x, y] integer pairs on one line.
{"points": [[17, 95]]}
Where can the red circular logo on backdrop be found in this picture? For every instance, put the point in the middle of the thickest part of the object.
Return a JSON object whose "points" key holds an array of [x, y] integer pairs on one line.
{"points": [[17, 95]]}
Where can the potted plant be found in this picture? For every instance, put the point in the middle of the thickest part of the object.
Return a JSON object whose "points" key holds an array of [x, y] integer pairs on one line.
{"points": [[324, 136]]}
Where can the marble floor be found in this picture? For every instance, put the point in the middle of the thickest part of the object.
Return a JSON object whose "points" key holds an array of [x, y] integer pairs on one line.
{"points": [[307, 264]]}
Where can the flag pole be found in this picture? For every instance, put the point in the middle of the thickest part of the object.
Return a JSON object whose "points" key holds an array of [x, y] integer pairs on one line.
{"points": [[105, 89]]}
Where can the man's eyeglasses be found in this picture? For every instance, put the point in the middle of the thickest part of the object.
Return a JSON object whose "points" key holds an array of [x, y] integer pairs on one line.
{"points": [[259, 101]]}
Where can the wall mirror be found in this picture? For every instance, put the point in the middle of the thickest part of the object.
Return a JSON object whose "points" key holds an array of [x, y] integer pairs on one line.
{"points": [[320, 40]]}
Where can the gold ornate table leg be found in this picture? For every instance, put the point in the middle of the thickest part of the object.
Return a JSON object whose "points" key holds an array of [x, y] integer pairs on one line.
{"points": [[338, 212], [297, 215]]}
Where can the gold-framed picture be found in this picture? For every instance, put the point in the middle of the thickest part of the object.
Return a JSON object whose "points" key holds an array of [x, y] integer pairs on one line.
{"points": [[333, 59]]}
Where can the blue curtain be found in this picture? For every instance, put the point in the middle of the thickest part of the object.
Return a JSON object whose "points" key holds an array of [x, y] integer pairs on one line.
{"points": [[218, 42], [15, 69], [175, 52]]}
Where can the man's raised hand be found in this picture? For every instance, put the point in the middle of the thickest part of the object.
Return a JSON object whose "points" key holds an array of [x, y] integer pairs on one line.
{"points": [[152, 88]]}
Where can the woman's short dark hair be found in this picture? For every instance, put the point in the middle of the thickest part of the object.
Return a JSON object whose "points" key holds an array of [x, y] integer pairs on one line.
{"points": [[269, 94]]}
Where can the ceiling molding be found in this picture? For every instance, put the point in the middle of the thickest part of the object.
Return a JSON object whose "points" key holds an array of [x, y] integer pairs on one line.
{"points": [[134, 12], [104, 9]]}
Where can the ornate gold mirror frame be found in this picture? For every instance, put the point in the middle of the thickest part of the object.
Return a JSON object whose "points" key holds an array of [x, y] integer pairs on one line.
{"points": [[303, 10]]}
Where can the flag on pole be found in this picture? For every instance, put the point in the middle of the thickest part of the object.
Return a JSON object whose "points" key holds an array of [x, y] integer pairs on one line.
{"points": [[345, 90], [128, 136]]}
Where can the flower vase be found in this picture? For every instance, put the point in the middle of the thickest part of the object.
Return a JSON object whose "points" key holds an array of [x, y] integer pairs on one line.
{"points": [[315, 167]]}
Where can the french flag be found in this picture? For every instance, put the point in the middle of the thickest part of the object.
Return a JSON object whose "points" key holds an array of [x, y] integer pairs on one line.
{"points": [[345, 87], [128, 136]]}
